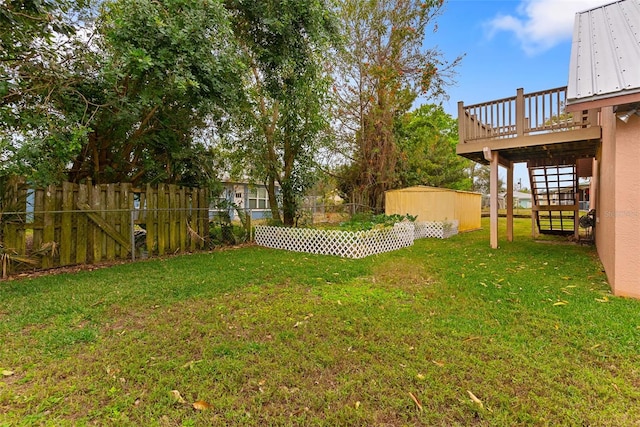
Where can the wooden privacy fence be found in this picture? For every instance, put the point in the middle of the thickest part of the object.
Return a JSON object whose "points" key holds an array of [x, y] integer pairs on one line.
{"points": [[85, 223]]}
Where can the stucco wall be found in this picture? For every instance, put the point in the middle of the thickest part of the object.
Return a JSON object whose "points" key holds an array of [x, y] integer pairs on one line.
{"points": [[618, 210], [627, 208]]}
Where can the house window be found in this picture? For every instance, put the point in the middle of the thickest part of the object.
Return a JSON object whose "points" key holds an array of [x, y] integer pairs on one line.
{"points": [[258, 198]]}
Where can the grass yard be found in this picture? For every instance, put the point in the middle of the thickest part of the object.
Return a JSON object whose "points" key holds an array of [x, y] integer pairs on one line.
{"points": [[447, 332]]}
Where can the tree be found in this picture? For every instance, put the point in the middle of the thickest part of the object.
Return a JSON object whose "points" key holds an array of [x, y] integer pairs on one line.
{"points": [[480, 176], [280, 128], [426, 139], [134, 87], [382, 69], [39, 54], [168, 68]]}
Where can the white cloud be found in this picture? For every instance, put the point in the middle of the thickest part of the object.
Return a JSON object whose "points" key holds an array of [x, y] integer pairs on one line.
{"points": [[541, 24]]}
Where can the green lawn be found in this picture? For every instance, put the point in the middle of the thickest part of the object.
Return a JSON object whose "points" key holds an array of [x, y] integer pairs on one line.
{"points": [[268, 337]]}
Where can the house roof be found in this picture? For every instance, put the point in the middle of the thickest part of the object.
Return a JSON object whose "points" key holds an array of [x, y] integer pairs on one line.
{"points": [[605, 55], [518, 195]]}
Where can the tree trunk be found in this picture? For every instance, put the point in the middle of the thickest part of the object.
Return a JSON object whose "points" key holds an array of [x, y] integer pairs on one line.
{"points": [[273, 201]]}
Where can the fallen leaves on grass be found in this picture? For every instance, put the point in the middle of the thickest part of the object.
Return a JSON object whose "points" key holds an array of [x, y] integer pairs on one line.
{"points": [[416, 401], [475, 399], [177, 396], [603, 299], [201, 405], [561, 302], [7, 373]]}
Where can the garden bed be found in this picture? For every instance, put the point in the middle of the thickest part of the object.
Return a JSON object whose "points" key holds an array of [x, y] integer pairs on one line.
{"points": [[348, 244], [352, 244]]}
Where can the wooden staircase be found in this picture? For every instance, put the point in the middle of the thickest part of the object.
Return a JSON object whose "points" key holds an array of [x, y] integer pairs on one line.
{"points": [[554, 190]]}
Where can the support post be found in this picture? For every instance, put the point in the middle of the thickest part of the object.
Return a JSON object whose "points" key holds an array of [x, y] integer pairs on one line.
{"points": [[510, 202], [520, 119], [462, 123], [493, 190], [593, 187]]}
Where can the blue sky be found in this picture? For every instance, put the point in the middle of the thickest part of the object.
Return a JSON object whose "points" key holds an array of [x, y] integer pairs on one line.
{"points": [[507, 44]]}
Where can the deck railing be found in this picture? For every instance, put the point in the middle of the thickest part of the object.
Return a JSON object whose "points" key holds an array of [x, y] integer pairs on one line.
{"points": [[520, 115]]}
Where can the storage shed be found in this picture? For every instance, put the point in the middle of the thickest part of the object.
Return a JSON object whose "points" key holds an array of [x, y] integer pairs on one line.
{"points": [[436, 204]]}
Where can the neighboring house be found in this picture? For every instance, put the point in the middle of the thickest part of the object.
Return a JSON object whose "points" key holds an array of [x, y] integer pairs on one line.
{"points": [[520, 200], [250, 198], [589, 129]]}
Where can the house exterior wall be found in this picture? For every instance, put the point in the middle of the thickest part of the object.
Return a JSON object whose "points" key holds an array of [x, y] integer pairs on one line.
{"points": [[618, 203], [239, 194], [436, 204], [627, 212], [605, 224]]}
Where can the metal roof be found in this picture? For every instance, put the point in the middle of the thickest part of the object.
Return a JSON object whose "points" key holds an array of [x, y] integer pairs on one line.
{"points": [[605, 53]]}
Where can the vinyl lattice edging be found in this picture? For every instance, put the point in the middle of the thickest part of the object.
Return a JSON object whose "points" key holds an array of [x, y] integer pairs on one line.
{"points": [[347, 244], [437, 229], [352, 244]]}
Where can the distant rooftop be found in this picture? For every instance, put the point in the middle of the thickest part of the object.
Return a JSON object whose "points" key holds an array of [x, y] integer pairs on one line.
{"points": [[605, 53]]}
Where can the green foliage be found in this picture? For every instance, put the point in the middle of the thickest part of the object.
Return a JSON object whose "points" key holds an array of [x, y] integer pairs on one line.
{"points": [[367, 221], [427, 139], [223, 230], [41, 61], [480, 175], [119, 92], [279, 131]]}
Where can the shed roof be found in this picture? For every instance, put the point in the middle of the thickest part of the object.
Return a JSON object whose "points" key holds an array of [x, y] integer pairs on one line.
{"points": [[427, 189], [605, 54]]}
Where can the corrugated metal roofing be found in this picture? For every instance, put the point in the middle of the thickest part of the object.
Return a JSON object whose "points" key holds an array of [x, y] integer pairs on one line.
{"points": [[605, 54]]}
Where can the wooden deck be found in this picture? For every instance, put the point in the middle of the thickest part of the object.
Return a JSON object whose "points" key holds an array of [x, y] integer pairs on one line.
{"points": [[531, 127]]}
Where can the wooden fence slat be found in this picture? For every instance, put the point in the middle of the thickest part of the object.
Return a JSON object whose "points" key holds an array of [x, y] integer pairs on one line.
{"points": [[66, 226], [48, 231], [173, 229], [151, 218], [20, 245], [8, 229], [142, 212], [182, 218], [203, 214], [82, 236], [95, 232], [38, 218], [126, 204], [110, 218], [162, 218], [105, 226]]}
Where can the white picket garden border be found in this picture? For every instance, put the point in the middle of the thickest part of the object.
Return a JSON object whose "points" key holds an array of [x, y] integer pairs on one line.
{"points": [[350, 244]]}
